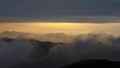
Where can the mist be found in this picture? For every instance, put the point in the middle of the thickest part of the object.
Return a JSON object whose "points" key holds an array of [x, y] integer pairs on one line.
{"points": [[30, 53]]}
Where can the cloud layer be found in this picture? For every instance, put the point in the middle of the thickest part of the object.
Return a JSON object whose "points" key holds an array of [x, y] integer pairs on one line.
{"points": [[25, 53], [58, 10]]}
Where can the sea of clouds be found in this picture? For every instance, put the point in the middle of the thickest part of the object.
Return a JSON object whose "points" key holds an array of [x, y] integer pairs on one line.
{"points": [[23, 53]]}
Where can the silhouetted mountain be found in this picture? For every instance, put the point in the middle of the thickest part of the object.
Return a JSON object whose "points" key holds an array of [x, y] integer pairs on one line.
{"points": [[94, 64], [7, 39], [41, 48]]}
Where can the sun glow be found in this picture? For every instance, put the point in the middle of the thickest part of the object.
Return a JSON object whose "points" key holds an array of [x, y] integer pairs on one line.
{"points": [[63, 25], [60, 27]]}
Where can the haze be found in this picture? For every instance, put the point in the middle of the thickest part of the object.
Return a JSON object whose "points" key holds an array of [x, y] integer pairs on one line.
{"points": [[61, 27]]}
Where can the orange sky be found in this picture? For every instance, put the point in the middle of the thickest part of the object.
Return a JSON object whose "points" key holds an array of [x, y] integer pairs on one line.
{"points": [[68, 28]]}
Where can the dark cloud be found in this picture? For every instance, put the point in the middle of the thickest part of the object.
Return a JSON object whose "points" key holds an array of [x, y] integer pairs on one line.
{"points": [[50, 10]]}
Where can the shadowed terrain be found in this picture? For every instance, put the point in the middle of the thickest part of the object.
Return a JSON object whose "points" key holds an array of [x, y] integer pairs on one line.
{"points": [[94, 64]]}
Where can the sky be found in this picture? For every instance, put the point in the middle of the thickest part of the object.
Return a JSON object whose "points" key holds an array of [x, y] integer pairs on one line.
{"points": [[67, 28], [97, 11], [67, 16]]}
